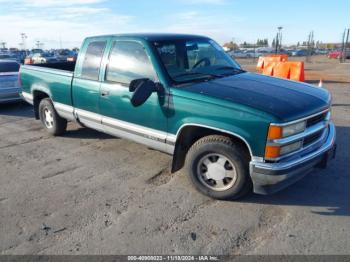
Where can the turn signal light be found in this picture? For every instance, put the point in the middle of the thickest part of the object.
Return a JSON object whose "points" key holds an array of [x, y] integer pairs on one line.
{"points": [[275, 132], [272, 152]]}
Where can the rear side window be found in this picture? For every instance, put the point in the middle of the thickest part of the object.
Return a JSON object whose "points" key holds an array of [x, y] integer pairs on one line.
{"points": [[128, 61], [9, 67], [92, 60]]}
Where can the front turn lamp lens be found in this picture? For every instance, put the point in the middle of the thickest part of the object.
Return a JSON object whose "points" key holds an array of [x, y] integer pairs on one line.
{"points": [[275, 132], [272, 152]]}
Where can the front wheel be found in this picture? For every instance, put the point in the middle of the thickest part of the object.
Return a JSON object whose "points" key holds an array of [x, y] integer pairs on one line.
{"points": [[219, 168], [53, 123]]}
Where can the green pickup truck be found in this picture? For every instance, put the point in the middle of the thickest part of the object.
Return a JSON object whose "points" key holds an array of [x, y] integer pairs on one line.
{"points": [[233, 131]]}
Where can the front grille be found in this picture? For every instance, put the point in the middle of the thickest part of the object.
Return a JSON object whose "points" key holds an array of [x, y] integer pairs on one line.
{"points": [[312, 138], [316, 119]]}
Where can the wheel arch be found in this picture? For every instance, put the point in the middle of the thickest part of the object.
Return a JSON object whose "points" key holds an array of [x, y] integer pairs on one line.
{"points": [[38, 95], [188, 134]]}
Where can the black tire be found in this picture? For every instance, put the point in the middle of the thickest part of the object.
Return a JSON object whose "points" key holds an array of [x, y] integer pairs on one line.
{"points": [[57, 125], [236, 156]]}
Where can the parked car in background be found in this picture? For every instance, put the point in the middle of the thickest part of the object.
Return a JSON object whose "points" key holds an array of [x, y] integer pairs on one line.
{"points": [[63, 55], [338, 53], [237, 54], [20, 55], [9, 86], [44, 58], [252, 54], [8, 56], [37, 51], [300, 52], [321, 51], [246, 53], [72, 57]]}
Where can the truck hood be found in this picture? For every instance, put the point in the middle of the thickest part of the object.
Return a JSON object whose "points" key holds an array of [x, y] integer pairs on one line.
{"points": [[284, 99]]}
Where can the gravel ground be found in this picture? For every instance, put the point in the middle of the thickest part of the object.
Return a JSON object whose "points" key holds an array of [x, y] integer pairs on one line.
{"points": [[89, 193]]}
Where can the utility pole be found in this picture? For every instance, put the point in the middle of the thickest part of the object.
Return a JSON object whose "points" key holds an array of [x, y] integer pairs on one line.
{"points": [[278, 40], [276, 43], [23, 38], [23, 42], [39, 44], [310, 44], [280, 36], [344, 45], [342, 48]]}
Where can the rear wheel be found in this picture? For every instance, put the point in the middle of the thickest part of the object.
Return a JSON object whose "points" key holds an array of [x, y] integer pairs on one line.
{"points": [[53, 123], [219, 168]]}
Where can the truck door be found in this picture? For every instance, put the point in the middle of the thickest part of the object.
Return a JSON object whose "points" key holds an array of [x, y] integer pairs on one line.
{"points": [[147, 124], [86, 84]]}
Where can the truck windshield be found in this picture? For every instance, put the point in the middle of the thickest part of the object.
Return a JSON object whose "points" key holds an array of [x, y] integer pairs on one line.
{"points": [[195, 60]]}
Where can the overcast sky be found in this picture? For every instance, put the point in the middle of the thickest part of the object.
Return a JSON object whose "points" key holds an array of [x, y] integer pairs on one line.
{"points": [[70, 21]]}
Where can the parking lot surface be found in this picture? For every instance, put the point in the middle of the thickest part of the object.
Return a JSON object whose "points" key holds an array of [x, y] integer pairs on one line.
{"points": [[90, 193]]}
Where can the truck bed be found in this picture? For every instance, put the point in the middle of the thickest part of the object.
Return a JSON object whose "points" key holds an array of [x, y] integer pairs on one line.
{"points": [[54, 79], [64, 66]]}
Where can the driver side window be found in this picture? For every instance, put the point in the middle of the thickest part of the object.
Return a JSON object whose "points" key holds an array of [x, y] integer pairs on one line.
{"points": [[129, 61]]}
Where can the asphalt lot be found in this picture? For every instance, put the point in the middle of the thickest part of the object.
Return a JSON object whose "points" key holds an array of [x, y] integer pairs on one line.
{"points": [[90, 193]]}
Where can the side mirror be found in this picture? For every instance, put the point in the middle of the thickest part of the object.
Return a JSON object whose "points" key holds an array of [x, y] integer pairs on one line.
{"points": [[142, 89], [134, 84]]}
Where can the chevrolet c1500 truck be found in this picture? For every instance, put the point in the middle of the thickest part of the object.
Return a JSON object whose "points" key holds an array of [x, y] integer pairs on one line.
{"points": [[232, 130]]}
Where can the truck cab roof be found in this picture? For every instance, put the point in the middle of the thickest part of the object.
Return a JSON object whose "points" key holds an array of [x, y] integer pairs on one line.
{"points": [[153, 36]]}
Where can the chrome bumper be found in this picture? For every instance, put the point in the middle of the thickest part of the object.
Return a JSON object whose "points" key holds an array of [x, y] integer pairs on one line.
{"points": [[269, 178], [27, 97]]}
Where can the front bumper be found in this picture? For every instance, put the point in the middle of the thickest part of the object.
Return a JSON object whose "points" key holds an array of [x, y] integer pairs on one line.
{"points": [[269, 178]]}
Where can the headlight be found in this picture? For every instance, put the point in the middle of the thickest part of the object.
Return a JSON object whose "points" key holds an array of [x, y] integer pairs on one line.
{"points": [[294, 129], [291, 148], [277, 131]]}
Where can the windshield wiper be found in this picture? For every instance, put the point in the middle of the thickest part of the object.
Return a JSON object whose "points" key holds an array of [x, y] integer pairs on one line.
{"points": [[239, 71], [204, 75]]}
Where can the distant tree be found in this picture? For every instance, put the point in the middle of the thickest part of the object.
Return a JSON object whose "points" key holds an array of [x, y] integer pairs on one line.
{"points": [[262, 42], [231, 45], [248, 45], [298, 44], [274, 43]]}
